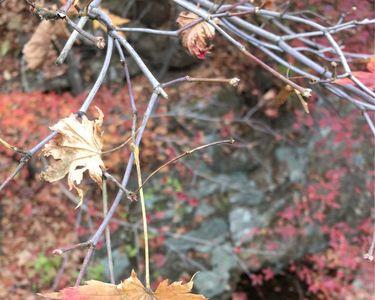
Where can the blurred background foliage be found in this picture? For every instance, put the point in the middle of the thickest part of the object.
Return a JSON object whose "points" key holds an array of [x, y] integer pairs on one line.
{"points": [[285, 213]]}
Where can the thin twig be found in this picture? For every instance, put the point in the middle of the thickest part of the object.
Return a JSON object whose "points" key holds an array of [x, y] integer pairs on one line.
{"points": [[72, 38], [119, 146], [98, 41], [65, 8], [11, 147], [85, 264], [118, 184], [130, 90], [60, 273], [370, 253], [61, 251], [369, 122], [101, 76], [22, 163], [231, 81]]}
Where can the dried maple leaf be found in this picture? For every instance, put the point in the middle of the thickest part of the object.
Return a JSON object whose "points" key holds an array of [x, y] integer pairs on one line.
{"points": [[176, 291], [39, 47], [367, 78], [196, 37], [131, 289], [76, 148]]}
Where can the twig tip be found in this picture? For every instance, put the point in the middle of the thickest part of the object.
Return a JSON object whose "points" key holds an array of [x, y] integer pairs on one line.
{"points": [[307, 93], [368, 257], [57, 252], [234, 81], [160, 91], [100, 42]]}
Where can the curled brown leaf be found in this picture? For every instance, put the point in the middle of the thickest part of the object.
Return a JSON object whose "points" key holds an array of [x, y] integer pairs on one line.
{"points": [[195, 38]]}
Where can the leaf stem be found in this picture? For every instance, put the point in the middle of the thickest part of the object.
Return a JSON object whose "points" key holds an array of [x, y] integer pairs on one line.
{"points": [[230, 141], [11, 147], [108, 233], [121, 145], [144, 217]]}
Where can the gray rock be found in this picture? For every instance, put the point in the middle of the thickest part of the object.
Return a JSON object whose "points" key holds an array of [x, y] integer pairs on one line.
{"points": [[205, 210], [214, 230], [296, 161], [120, 264], [241, 221], [223, 260], [248, 197], [210, 283]]}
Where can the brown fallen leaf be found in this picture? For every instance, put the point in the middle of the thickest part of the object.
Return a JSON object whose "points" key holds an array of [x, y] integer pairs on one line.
{"points": [[131, 289], [283, 95], [196, 37], [39, 47], [81, 4], [77, 148], [117, 21]]}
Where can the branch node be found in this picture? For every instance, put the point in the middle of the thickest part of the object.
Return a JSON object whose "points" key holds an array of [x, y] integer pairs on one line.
{"points": [[159, 90], [26, 156], [368, 257], [61, 14], [80, 113], [90, 244]]}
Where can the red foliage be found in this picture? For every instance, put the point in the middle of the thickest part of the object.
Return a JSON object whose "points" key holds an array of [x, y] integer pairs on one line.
{"points": [[367, 78]]}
